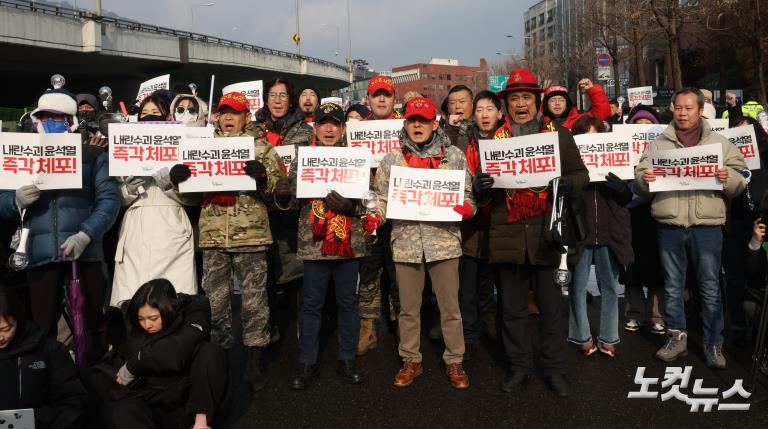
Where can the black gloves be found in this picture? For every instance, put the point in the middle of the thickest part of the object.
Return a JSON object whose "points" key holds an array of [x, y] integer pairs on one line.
{"points": [[339, 204], [481, 183], [256, 170], [615, 184], [179, 173], [283, 191]]}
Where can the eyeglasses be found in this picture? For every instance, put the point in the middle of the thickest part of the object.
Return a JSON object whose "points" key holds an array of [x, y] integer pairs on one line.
{"points": [[192, 110], [280, 95]]}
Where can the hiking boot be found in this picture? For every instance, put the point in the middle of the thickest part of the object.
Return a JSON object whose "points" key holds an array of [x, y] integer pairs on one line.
{"points": [[714, 354], [607, 349], [368, 340], [457, 376], [676, 346]]}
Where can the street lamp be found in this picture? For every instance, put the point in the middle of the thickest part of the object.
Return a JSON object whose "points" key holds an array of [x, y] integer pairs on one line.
{"points": [[192, 14], [337, 36]]}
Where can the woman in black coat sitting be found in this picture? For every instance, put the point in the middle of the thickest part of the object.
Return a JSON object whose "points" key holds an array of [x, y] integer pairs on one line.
{"points": [[36, 371], [169, 374]]}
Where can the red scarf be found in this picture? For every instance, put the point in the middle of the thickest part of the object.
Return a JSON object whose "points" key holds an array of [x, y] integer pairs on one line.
{"points": [[523, 203], [473, 157], [223, 199], [427, 162], [334, 229], [275, 139]]}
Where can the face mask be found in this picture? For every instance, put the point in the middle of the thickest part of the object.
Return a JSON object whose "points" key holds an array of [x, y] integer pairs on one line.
{"points": [[87, 115], [151, 118], [185, 117], [53, 127]]}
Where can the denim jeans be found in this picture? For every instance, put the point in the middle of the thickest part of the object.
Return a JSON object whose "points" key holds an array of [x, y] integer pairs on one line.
{"points": [[704, 245], [316, 277], [607, 272]]}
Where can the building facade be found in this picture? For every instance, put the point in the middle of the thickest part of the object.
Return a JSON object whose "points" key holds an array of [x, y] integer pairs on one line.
{"points": [[434, 79]]}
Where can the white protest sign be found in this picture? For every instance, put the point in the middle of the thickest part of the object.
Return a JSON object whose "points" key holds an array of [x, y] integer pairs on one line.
{"points": [[639, 135], [686, 169], [745, 140], [251, 90], [604, 153], [217, 164], [152, 85], [640, 95], [286, 154], [425, 194], [718, 125], [346, 170], [198, 132], [380, 137], [48, 161], [334, 100], [140, 149], [521, 162]]}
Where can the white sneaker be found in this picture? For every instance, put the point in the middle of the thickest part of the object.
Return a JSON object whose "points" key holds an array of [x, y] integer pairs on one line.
{"points": [[632, 325], [658, 329]]}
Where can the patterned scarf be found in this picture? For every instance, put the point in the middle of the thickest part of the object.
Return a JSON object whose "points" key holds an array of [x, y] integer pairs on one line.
{"points": [[333, 228], [524, 203]]}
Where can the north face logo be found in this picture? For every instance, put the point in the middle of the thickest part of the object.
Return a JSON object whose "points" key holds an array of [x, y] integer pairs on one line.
{"points": [[37, 365]]}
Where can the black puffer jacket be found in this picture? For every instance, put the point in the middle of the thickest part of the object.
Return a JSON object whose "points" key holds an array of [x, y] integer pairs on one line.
{"points": [[608, 222], [38, 372]]}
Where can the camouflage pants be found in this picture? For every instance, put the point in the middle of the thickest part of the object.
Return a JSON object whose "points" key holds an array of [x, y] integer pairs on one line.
{"points": [[251, 271], [371, 270]]}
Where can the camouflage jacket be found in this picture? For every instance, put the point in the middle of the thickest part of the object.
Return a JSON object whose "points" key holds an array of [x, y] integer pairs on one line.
{"points": [[246, 224], [309, 249], [433, 241]]}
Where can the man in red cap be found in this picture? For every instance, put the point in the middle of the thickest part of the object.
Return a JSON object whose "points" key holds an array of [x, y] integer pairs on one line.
{"points": [[557, 106], [419, 247], [381, 98], [521, 254], [234, 237]]}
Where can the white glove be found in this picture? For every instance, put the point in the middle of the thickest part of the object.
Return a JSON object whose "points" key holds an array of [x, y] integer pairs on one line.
{"points": [[75, 245], [26, 196], [162, 178], [125, 376]]}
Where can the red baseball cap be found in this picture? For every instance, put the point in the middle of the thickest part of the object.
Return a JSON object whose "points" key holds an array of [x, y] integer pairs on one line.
{"points": [[235, 100], [521, 80], [421, 106], [381, 82]]}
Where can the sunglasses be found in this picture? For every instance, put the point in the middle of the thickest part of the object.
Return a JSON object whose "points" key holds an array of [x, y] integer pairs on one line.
{"points": [[192, 111]]}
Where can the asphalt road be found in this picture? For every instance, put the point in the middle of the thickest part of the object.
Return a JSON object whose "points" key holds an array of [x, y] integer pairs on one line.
{"points": [[599, 385]]}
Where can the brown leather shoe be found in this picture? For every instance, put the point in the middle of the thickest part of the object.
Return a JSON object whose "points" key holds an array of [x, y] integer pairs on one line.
{"points": [[458, 377], [407, 373]]}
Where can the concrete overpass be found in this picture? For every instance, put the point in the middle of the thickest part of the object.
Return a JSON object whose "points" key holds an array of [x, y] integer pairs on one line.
{"points": [[38, 40]]}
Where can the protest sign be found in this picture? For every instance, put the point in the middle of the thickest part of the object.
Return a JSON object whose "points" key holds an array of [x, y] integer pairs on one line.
{"points": [[346, 170], [640, 95], [718, 125], [686, 169], [639, 135], [380, 137], [521, 162], [286, 154], [141, 149], [745, 140], [251, 90], [48, 161], [152, 85], [604, 153], [424, 194], [217, 164]]}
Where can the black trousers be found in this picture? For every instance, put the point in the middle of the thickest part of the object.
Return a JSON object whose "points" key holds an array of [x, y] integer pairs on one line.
{"points": [[207, 386], [513, 282], [469, 282], [46, 293]]}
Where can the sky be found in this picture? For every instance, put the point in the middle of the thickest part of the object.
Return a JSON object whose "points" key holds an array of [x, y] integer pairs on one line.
{"points": [[386, 33]]}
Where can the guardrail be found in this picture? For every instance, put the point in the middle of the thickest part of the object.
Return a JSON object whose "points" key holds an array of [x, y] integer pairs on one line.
{"points": [[66, 12]]}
